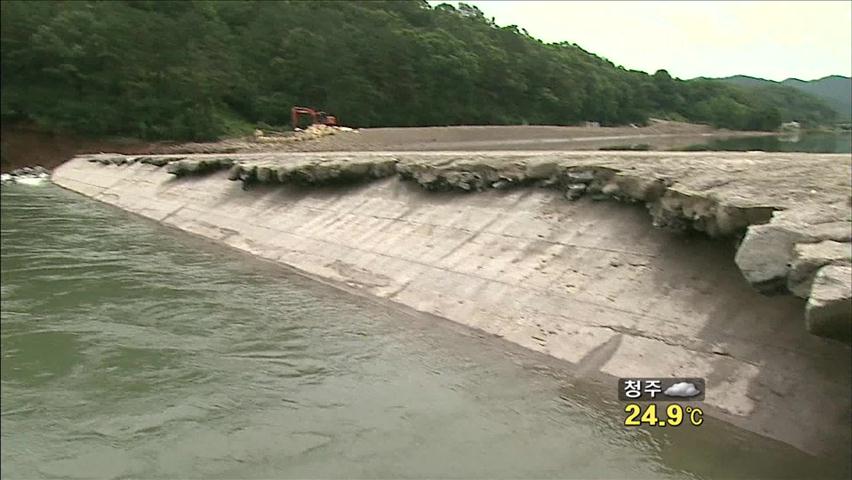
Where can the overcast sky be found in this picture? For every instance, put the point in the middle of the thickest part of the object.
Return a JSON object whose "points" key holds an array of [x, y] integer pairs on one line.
{"points": [[774, 40]]}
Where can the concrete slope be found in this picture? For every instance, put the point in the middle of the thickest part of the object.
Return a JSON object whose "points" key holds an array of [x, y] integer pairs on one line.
{"points": [[591, 283], [793, 210]]}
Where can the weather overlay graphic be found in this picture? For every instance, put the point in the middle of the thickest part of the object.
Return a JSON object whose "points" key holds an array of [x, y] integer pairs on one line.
{"points": [[662, 402]]}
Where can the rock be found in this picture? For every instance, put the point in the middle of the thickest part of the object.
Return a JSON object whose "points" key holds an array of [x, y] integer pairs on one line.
{"points": [[248, 174], [264, 174], [681, 210], [353, 170], [547, 182], [179, 168], [158, 161], [580, 176], [830, 219], [610, 189], [575, 191], [808, 258], [382, 169], [234, 172], [828, 312], [766, 253], [198, 166], [536, 170], [640, 189]]}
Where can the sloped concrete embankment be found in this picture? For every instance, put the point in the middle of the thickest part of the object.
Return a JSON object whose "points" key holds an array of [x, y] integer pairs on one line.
{"points": [[794, 234], [592, 283]]}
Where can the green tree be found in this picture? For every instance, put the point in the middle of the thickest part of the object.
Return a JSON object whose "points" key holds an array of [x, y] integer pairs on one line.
{"points": [[204, 69]]}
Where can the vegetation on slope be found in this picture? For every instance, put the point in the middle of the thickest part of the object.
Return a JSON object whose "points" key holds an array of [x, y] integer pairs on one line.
{"points": [[201, 70], [834, 90]]}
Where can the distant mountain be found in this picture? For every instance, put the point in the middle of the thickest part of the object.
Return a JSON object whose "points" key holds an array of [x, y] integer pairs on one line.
{"points": [[835, 90]]}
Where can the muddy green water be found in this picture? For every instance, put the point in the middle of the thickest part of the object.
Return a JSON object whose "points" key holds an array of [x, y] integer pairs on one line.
{"points": [[131, 350]]}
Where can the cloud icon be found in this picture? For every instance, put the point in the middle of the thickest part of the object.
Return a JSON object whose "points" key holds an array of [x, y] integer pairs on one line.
{"points": [[682, 389]]}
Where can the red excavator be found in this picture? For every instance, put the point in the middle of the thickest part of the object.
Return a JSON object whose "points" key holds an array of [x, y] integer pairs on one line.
{"points": [[321, 118]]}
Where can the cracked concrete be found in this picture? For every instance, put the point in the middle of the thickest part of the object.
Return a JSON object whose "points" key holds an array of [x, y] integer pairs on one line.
{"points": [[738, 195], [592, 283]]}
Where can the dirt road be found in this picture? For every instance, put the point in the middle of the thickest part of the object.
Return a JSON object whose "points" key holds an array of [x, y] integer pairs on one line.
{"points": [[467, 138], [657, 136]]}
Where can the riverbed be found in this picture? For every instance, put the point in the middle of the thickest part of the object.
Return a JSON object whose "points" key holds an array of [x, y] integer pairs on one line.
{"points": [[132, 350]]}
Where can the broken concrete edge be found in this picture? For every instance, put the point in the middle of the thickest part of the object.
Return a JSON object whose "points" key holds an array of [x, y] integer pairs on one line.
{"points": [[155, 160], [670, 206], [312, 173], [179, 166], [809, 258], [773, 254], [829, 306]]}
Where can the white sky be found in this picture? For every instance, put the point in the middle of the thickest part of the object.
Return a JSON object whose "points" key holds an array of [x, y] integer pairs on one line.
{"points": [[768, 39]]}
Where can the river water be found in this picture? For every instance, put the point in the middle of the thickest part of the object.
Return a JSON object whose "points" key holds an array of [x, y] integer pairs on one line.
{"points": [[809, 142], [131, 350]]}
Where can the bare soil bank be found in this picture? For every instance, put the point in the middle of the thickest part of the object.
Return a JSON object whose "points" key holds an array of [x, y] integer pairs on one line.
{"points": [[26, 146]]}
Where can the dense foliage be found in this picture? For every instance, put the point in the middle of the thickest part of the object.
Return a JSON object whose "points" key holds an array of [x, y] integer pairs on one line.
{"points": [[198, 70]]}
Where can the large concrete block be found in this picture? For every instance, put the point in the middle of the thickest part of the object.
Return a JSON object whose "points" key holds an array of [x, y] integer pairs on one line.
{"points": [[808, 258], [829, 309], [765, 253]]}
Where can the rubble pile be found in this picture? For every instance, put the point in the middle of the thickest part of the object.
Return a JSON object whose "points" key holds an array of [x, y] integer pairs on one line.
{"points": [[312, 132]]}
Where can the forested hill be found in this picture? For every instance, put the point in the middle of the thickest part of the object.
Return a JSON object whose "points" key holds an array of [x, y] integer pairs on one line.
{"points": [[835, 90], [199, 70]]}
